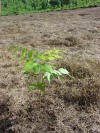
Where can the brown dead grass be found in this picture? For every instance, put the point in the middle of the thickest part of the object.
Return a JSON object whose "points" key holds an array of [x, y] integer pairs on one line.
{"points": [[70, 41], [89, 36], [83, 85]]}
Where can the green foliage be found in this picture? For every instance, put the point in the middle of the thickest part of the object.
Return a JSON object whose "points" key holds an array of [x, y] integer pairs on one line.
{"points": [[29, 6], [23, 53], [37, 65], [41, 86]]}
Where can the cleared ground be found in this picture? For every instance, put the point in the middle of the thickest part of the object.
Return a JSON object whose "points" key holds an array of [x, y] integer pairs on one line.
{"points": [[69, 108]]}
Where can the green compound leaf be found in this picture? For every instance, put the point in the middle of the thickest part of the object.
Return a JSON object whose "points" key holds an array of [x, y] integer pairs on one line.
{"points": [[35, 65], [63, 71], [40, 86], [50, 55]]}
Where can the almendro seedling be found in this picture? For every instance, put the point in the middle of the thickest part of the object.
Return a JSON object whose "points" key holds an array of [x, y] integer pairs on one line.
{"points": [[37, 65]]}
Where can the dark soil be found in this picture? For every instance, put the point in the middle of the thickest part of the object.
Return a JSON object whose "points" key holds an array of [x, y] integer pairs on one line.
{"points": [[69, 108]]}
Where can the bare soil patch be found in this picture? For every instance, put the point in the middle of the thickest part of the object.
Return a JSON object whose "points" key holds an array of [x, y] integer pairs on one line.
{"points": [[69, 108]]}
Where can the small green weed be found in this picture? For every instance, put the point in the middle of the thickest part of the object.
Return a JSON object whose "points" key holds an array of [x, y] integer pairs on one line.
{"points": [[37, 65]]}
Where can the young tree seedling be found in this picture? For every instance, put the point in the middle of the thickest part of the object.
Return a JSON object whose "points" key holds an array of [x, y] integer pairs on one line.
{"points": [[37, 65]]}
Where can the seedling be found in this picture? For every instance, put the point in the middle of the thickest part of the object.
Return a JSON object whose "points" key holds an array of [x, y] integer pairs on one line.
{"points": [[37, 65]]}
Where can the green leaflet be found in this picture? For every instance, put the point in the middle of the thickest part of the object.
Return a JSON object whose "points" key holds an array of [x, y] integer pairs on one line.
{"points": [[56, 50], [30, 54], [43, 57], [46, 68], [26, 72], [12, 47], [46, 57], [29, 66], [47, 76], [23, 53], [50, 58], [63, 71], [36, 56], [40, 86], [16, 51], [59, 78], [56, 56], [48, 52], [33, 86], [57, 72], [36, 69]]}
